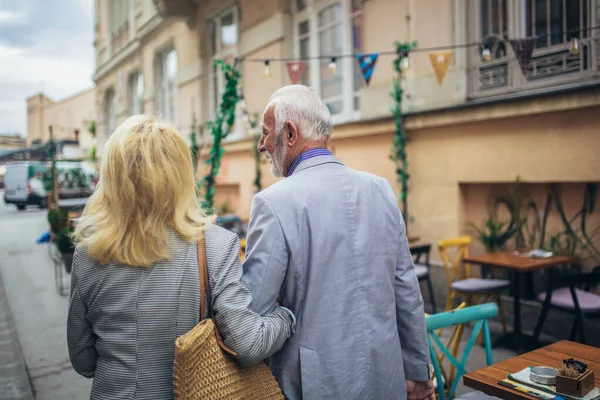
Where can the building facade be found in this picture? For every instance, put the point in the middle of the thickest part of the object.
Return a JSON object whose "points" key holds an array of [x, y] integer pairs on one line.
{"points": [[11, 142], [69, 118], [469, 139]]}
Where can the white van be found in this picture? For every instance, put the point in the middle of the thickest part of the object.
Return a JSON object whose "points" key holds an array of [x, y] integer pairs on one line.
{"points": [[23, 183]]}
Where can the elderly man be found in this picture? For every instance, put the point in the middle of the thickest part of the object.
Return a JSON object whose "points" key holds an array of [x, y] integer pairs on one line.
{"points": [[329, 242]]}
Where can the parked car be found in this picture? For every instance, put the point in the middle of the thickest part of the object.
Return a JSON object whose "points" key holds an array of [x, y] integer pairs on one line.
{"points": [[26, 182]]}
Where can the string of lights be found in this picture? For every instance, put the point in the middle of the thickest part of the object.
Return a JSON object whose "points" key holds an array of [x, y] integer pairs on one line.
{"points": [[485, 50]]}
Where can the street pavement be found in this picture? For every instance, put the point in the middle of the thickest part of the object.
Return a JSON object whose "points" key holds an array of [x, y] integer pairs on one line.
{"points": [[39, 314]]}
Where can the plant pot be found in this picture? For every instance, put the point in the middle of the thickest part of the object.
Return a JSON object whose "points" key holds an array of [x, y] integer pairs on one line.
{"points": [[68, 259]]}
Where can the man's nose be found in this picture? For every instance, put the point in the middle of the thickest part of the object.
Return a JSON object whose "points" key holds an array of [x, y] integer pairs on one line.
{"points": [[261, 145]]}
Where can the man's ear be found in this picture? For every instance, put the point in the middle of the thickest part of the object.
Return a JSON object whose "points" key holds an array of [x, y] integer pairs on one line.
{"points": [[291, 130]]}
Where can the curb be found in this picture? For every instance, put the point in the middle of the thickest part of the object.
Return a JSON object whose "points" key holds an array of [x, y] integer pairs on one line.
{"points": [[14, 378]]}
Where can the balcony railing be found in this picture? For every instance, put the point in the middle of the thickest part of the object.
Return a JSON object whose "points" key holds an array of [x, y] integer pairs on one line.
{"points": [[549, 67]]}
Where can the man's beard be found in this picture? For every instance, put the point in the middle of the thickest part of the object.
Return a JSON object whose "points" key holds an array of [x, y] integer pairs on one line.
{"points": [[277, 158]]}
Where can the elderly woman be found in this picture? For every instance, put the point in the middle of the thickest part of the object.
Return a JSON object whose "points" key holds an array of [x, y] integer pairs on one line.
{"points": [[135, 285]]}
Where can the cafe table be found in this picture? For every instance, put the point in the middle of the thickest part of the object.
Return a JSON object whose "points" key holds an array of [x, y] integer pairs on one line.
{"points": [[486, 379], [517, 265]]}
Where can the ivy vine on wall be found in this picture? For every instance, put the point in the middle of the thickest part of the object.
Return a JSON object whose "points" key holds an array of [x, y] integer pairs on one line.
{"points": [[220, 128], [398, 153]]}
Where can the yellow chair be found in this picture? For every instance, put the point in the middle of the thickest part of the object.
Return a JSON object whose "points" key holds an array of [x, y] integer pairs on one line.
{"points": [[242, 249], [462, 284]]}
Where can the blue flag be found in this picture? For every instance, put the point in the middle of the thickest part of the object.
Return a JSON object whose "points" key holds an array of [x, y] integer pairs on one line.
{"points": [[367, 65]]}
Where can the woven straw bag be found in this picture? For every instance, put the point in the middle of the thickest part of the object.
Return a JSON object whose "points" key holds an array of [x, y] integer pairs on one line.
{"points": [[204, 368]]}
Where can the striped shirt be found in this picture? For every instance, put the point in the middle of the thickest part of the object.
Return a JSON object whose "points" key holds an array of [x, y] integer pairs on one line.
{"points": [[307, 155], [123, 321]]}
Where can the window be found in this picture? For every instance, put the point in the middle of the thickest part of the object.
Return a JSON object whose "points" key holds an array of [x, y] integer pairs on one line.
{"points": [[326, 29], [224, 39], [135, 89], [553, 22], [557, 20], [166, 97], [110, 112], [493, 25], [118, 14]]}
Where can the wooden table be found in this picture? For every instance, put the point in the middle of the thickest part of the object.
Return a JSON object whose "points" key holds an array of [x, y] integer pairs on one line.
{"points": [[486, 379], [517, 265], [516, 262]]}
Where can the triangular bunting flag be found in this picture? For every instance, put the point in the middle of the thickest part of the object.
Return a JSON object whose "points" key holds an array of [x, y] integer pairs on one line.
{"points": [[367, 65], [440, 62], [296, 70], [523, 49]]}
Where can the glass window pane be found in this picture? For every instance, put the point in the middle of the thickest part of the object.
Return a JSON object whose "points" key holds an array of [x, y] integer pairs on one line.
{"points": [[228, 30], [331, 41], [357, 48], [304, 53], [139, 91], [171, 64], [303, 28], [485, 28], [573, 12], [331, 83], [300, 5], [330, 15], [335, 107], [140, 86], [556, 21], [541, 23], [213, 40]]}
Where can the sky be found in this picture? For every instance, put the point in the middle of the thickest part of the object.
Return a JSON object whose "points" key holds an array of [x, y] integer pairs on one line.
{"points": [[45, 45]]}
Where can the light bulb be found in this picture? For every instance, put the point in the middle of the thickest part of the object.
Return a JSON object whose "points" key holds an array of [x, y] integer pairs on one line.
{"points": [[574, 47], [486, 54], [267, 69], [333, 65], [404, 65]]}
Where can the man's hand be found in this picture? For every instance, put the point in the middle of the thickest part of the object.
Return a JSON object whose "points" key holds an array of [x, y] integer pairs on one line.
{"points": [[420, 390]]}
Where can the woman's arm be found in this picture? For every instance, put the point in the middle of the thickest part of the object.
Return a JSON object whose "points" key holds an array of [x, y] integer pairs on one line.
{"points": [[80, 337], [253, 337]]}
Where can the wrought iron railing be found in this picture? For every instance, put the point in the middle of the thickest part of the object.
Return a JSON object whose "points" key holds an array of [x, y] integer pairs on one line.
{"points": [[548, 67]]}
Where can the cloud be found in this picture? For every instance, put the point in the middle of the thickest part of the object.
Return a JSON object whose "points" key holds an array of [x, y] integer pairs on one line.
{"points": [[44, 46], [8, 17]]}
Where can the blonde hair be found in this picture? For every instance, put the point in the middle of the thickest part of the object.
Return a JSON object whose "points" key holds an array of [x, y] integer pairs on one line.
{"points": [[146, 189]]}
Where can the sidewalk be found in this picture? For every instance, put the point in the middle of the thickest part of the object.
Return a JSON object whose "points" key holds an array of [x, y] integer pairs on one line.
{"points": [[14, 380]]}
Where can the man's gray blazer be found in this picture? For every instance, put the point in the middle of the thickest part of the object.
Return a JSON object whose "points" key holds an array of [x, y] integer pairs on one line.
{"points": [[330, 243]]}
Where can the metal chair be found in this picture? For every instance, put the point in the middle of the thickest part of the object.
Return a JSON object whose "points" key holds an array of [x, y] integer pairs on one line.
{"points": [[420, 255], [571, 292], [459, 280], [479, 315]]}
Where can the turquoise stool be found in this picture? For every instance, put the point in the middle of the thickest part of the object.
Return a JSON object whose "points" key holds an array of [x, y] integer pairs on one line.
{"points": [[478, 314]]}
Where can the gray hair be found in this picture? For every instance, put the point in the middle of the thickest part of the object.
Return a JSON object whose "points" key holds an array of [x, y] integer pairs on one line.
{"points": [[301, 105]]}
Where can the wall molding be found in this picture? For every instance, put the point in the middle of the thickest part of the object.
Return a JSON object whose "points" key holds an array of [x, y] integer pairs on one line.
{"points": [[130, 49], [190, 73], [263, 34]]}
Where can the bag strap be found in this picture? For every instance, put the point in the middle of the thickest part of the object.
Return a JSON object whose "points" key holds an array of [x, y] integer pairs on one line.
{"points": [[203, 276], [205, 290]]}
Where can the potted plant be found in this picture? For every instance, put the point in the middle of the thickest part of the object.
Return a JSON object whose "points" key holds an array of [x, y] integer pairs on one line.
{"points": [[494, 235], [65, 245]]}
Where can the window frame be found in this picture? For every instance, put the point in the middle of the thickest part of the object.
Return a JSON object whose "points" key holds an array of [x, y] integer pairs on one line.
{"points": [[110, 111], [165, 98], [345, 66], [217, 51], [135, 103], [517, 23]]}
